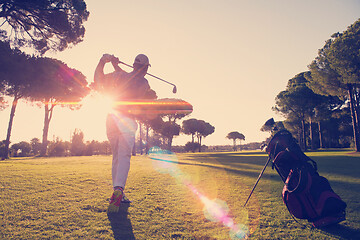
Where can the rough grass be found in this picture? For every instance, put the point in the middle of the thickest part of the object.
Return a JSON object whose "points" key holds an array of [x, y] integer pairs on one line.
{"points": [[66, 198]]}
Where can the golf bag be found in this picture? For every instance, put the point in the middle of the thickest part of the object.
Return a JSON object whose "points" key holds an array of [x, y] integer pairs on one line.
{"points": [[306, 194]]}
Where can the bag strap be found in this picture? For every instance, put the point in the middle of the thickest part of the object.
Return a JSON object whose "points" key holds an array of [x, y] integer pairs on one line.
{"points": [[293, 217], [289, 177]]}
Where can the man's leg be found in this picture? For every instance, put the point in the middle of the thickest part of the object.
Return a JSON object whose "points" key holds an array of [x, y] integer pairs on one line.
{"points": [[116, 197], [122, 140], [121, 164], [120, 168]]}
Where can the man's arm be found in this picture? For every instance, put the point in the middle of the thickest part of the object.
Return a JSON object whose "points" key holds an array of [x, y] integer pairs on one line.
{"points": [[101, 79], [99, 72]]}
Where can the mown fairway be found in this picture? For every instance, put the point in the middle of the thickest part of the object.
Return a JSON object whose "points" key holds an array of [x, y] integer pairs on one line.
{"points": [[66, 198]]}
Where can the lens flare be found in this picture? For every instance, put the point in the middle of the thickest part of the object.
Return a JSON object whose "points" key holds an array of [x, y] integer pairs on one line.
{"points": [[164, 161], [214, 210], [139, 107]]}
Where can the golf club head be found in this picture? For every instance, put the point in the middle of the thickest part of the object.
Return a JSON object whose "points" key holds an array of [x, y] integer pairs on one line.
{"points": [[174, 89]]}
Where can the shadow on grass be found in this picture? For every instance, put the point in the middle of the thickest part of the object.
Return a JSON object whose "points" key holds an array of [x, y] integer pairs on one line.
{"points": [[341, 231], [231, 158], [327, 165], [229, 167], [121, 224]]}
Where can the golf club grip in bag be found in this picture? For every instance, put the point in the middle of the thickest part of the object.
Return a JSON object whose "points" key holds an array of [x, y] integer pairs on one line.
{"points": [[306, 194]]}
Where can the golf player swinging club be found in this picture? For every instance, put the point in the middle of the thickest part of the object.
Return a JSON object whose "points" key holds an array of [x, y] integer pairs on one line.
{"points": [[121, 125]]}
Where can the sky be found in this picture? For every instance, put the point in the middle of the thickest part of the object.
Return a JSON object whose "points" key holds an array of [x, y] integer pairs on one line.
{"points": [[228, 58]]}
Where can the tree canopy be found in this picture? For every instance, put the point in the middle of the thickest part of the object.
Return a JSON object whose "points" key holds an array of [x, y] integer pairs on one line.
{"points": [[297, 101], [14, 70], [234, 136], [336, 71], [198, 128], [43, 24], [189, 127], [56, 84], [14, 82]]}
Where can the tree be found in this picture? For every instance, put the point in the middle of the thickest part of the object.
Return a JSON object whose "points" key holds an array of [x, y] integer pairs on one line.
{"points": [[77, 143], [168, 129], [55, 84], [57, 148], [171, 128], [324, 112], [234, 136], [43, 24], [93, 148], [342, 119], [198, 128], [105, 148], [148, 124], [3, 102], [189, 127], [336, 71], [2, 148], [191, 146], [155, 126], [35, 146], [15, 79], [21, 149], [204, 130], [297, 100]]}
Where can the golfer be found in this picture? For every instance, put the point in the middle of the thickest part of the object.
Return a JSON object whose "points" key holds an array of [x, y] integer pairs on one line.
{"points": [[120, 125]]}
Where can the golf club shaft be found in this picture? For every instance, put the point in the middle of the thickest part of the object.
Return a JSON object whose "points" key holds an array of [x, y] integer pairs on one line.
{"points": [[262, 172], [150, 74]]}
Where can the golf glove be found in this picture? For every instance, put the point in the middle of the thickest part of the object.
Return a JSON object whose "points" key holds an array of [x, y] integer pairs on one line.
{"points": [[109, 58]]}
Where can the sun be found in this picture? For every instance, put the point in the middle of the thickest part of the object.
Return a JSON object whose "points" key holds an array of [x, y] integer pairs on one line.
{"points": [[92, 115], [98, 104]]}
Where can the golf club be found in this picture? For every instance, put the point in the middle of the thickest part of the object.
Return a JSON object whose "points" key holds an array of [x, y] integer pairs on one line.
{"points": [[174, 89], [257, 180]]}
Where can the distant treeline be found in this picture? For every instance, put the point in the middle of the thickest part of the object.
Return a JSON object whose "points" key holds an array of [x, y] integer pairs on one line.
{"points": [[78, 147]]}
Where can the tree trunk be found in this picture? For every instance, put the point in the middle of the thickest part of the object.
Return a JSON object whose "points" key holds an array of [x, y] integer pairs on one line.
{"points": [[357, 112], [44, 144], [140, 132], [170, 143], [320, 135], [304, 134], [147, 141], [49, 110], [311, 134], [234, 143], [353, 117], [200, 143], [8, 135]]}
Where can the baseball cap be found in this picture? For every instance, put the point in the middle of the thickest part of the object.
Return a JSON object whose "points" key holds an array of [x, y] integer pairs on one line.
{"points": [[142, 59]]}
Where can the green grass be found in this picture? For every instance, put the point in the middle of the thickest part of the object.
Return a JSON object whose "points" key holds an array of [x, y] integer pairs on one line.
{"points": [[66, 198]]}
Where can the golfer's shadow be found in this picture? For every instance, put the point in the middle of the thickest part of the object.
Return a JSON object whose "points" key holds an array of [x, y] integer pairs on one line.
{"points": [[343, 232], [121, 224]]}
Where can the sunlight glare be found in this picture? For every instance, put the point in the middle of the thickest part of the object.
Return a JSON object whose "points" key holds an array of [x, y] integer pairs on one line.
{"points": [[99, 104], [94, 111]]}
